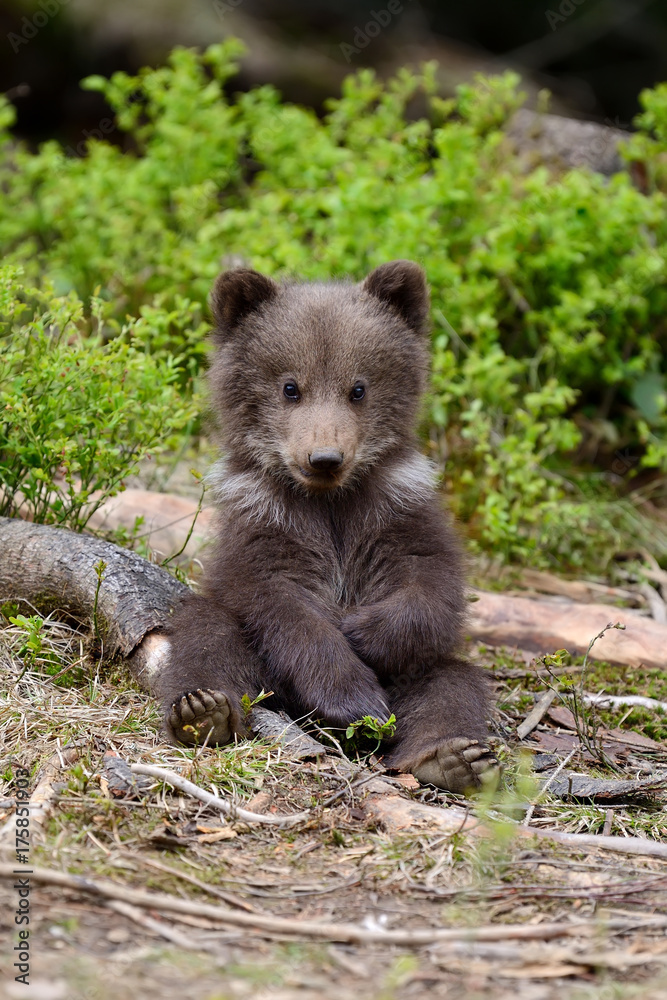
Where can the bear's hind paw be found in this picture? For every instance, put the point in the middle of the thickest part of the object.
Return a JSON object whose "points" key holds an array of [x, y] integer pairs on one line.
{"points": [[199, 714], [458, 765]]}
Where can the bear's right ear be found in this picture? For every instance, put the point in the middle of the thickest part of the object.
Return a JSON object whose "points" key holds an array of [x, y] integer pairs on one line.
{"points": [[237, 293]]}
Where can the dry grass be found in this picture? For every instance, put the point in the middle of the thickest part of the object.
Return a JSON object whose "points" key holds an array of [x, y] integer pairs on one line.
{"points": [[332, 867]]}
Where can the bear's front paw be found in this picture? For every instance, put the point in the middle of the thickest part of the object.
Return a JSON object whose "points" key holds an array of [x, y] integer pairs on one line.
{"points": [[458, 765], [362, 696], [199, 714]]}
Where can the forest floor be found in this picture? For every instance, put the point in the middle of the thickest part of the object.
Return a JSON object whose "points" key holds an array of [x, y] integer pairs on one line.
{"points": [[345, 862]]}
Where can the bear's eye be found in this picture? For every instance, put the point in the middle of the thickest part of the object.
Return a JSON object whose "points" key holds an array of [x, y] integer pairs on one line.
{"points": [[291, 391], [358, 392]]}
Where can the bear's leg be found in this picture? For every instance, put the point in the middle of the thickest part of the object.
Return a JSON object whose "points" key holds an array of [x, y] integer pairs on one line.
{"points": [[441, 727], [210, 668]]}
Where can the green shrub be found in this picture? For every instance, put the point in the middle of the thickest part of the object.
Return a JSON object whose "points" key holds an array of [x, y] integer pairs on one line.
{"points": [[549, 291], [76, 415]]}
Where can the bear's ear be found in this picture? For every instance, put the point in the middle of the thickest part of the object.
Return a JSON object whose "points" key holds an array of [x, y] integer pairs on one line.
{"points": [[402, 285], [237, 293]]}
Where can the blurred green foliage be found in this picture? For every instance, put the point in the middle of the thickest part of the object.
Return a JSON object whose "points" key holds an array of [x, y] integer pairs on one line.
{"points": [[76, 414], [548, 289]]}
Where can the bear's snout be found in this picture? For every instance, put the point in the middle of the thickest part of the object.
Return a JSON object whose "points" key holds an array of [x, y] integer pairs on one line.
{"points": [[325, 460], [322, 440]]}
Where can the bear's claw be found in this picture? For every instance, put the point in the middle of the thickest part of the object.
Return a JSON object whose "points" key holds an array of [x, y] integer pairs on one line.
{"points": [[201, 713], [458, 765]]}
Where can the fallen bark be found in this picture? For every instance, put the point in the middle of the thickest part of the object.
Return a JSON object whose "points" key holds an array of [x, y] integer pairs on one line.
{"points": [[534, 717], [43, 799], [398, 815], [277, 726], [570, 785], [324, 931], [544, 627]]}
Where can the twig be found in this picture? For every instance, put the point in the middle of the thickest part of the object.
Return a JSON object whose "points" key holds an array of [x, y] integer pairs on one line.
{"points": [[228, 808], [586, 732], [612, 700], [655, 602], [160, 927], [623, 845], [349, 784], [323, 931], [100, 846], [175, 555], [212, 890], [514, 293], [449, 820], [329, 736], [535, 716], [545, 788]]}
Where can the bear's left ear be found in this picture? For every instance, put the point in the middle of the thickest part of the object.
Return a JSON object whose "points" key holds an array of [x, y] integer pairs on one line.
{"points": [[402, 285]]}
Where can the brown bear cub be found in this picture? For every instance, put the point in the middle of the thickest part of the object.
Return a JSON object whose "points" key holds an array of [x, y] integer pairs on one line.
{"points": [[337, 581]]}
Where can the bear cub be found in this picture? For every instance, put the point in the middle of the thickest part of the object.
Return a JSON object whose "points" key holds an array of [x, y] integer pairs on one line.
{"points": [[337, 581]]}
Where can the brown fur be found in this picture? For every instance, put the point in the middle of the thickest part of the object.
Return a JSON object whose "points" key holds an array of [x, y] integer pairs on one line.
{"points": [[340, 590]]}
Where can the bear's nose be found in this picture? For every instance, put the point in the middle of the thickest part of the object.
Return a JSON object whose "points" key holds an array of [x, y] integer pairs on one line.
{"points": [[326, 460]]}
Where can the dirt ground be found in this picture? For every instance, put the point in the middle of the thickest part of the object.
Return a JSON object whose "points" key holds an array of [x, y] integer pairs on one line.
{"points": [[337, 865]]}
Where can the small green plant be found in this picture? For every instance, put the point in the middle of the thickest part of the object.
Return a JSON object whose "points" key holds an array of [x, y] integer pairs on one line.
{"points": [[499, 806], [248, 703], [45, 646], [585, 716], [175, 555], [362, 732], [33, 643], [572, 691], [99, 568]]}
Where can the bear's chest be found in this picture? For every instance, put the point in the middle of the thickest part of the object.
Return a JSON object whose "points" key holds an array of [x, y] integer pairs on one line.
{"points": [[354, 564]]}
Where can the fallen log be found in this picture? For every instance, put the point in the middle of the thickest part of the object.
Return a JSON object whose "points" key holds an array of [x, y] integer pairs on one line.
{"points": [[130, 600]]}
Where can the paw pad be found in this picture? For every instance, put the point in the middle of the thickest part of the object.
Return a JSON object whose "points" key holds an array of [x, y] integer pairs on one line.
{"points": [[458, 765], [199, 713]]}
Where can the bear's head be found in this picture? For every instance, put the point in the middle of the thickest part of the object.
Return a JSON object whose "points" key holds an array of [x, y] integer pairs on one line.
{"points": [[317, 383]]}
